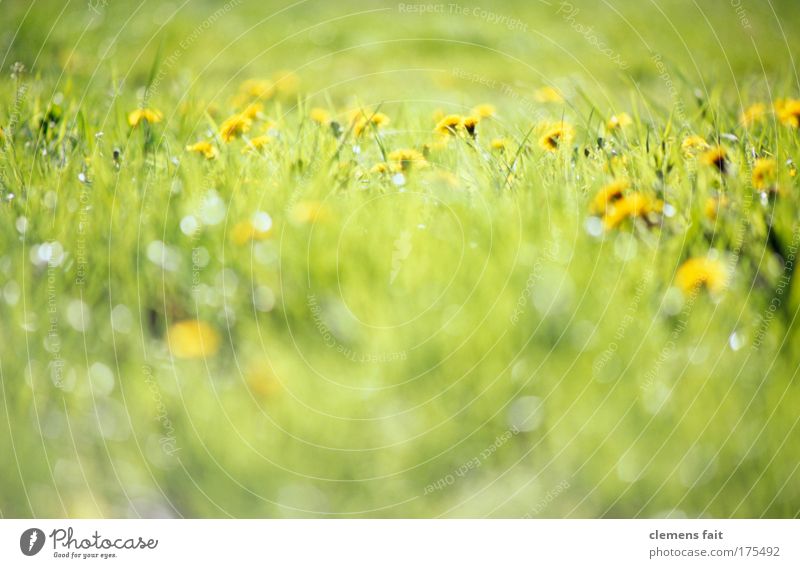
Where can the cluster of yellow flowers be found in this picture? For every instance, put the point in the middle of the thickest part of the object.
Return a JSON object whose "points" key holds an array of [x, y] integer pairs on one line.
{"points": [[616, 204], [787, 112]]}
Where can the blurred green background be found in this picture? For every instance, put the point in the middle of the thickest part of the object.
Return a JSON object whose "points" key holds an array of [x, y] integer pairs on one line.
{"points": [[505, 364]]}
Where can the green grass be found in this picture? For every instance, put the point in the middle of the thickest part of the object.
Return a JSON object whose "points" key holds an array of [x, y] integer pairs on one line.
{"points": [[463, 341]]}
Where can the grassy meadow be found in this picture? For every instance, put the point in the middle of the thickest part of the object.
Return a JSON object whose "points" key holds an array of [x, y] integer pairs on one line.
{"points": [[343, 259]]}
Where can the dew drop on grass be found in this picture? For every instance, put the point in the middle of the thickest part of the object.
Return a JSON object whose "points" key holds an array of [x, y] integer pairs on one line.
{"points": [[189, 225], [213, 210], [101, 378], [79, 316], [594, 226], [121, 318], [735, 341], [22, 224], [51, 199], [11, 293], [669, 210], [200, 257], [262, 221], [526, 413], [264, 299], [162, 255], [673, 302]]}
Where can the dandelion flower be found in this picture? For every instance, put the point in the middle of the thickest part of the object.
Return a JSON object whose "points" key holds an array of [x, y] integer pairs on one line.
{"points": [[701, 271], [609, 194], [694, 144], [716, 157], [713, 206], [484, 111], [257, 89], [261, 381], [548, 95], [252, 110], [618, 121], [257, 143], [499, 144], [147, 115], [557, 135], [788, 112], [256, 228], [320, 116], [407, 157], [470, 123], [765, 172], [449, 124], [192, 339], [234, 127], [205, 148], [380, 168], [635, 205], [753, 114], [362, 120], [309, 212]]}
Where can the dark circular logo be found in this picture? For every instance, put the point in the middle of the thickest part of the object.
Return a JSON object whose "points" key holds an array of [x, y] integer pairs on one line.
{"points": [[31, 541]]}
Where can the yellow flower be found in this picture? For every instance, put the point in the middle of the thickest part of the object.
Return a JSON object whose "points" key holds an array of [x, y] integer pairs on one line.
{"points": [[499, 144], [407, 157], [251, 111], [205, 148], [484, 111], [309, 212], [361, 120], [470, 123], [191, 339], [557, 135], [694, 144], [635, 205], [257, 89], [701, 271], [261, 381], [788, 111], [449, 124], [713, 205], [547, 95], [620, 120], [234, 127], [149, 115], [257, 143], [609, 194], [753, 114], [765, 172], [716, 157], [254, 229], [380, 168], [320, 116]]}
